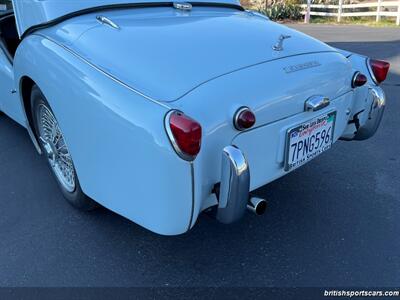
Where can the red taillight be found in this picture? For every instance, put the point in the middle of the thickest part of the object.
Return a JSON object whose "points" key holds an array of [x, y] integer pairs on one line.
{"points": [[379, 69], [184, 133], [359, 79], [244, 119]]}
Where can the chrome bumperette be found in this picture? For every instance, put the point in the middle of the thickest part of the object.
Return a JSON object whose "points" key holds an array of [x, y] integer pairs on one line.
{"points": [[234, 187], [375, 114]]}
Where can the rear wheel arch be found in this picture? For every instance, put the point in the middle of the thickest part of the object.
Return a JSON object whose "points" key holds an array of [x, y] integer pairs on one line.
{"points": [[72, 193], [26, 85], [25, 88]]}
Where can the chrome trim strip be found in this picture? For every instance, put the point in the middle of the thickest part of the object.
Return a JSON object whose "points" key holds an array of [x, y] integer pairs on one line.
{"points": [[193, 196], [353, 82], [371, 73]]}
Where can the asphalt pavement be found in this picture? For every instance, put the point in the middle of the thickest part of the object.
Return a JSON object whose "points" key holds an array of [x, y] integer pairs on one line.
{"points": [[333, 222]]}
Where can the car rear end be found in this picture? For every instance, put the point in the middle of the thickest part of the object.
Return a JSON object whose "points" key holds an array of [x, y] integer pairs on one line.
{"points": [[247, 100], [302, 104]]}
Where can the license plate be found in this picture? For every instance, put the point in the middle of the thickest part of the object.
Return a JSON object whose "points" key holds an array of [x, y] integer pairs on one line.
{"points": [[308, 140]]}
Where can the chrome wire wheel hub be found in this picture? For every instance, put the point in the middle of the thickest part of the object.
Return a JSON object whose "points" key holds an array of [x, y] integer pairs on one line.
{"points": [[55, 148]]}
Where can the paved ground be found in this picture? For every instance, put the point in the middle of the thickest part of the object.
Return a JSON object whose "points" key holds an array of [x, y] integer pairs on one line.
{"points": [[334, 222]]}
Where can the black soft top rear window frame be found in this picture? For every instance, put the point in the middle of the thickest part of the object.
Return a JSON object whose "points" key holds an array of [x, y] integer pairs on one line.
{"points": [[6, 13], [123, 6]]}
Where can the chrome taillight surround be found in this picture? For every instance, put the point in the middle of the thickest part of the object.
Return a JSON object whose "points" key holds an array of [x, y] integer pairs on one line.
{"points": [[355, 77], [172, 138], [236, 117], [371, 72]]}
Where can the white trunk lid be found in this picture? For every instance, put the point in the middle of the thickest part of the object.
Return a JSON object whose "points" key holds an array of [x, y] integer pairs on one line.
{"points": [[164, 55]]}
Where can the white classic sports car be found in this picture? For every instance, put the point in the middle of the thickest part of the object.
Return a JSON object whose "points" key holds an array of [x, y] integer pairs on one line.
{"points": [[162, 110]]}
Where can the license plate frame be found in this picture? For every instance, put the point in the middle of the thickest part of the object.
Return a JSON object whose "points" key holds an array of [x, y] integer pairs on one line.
{"points": [[289, 166]]}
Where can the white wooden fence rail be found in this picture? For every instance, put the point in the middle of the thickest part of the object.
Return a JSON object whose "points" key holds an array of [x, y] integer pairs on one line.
{"points": [[342, 10]]}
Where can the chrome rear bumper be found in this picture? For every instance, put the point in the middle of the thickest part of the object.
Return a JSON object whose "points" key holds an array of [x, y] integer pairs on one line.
{"points": [[233, 192], [375, 114], [234, 187]]}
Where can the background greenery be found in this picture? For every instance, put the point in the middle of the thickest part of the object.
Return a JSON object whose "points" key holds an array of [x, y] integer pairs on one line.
{"points": [[276, 10], [282, 11]]}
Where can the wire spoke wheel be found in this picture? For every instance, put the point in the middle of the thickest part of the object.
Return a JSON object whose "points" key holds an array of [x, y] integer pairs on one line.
{"points": [[55, 148]]}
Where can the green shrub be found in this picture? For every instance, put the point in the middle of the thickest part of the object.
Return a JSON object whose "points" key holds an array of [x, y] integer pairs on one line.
{"points": [[282, 11]]}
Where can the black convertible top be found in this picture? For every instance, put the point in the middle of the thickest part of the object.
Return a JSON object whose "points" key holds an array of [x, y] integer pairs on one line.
{"points": [[6, 12], [9, 40]]}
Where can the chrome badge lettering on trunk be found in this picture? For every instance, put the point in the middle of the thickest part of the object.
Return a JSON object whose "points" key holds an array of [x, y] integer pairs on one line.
{"points": [[303, 66]]}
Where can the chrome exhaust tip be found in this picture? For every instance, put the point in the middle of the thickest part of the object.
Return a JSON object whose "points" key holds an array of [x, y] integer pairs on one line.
{"points": [[258, 206]]}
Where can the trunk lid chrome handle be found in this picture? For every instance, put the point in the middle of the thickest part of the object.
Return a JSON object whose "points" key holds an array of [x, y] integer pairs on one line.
{"points": [[106, 21], [316, 103], [185, 6]]}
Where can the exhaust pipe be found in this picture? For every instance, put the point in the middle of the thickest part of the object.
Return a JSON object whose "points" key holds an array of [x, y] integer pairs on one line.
{"points": [[257, 206]]}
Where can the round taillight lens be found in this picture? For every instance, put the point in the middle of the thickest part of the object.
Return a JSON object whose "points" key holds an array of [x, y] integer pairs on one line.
{"points": [[184, 134], [379, 69], [244, 119], [359, 79]]}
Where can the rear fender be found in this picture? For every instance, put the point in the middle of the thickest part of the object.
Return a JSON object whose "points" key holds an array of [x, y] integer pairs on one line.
{"points": [[116, 137]]}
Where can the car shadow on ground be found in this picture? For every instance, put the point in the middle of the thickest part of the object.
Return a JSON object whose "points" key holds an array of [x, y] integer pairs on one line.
{"points": [[334, 222]]}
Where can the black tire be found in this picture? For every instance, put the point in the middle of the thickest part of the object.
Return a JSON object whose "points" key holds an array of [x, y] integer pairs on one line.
{"points": [[76, 197]]}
